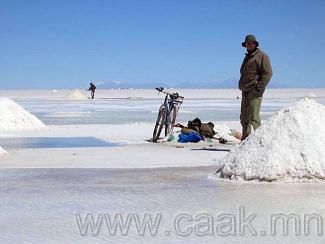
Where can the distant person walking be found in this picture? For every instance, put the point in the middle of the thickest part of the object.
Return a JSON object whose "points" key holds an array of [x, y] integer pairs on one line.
{"points": [[255, 74], [92, 88]]}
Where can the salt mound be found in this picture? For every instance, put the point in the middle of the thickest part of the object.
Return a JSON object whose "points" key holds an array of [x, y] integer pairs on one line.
{"points": [[2, 152], [287, 147], [14, 117], [76, 95]]}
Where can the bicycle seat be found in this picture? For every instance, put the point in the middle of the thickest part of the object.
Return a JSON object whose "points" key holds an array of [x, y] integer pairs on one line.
{"points": [[174, 95]]}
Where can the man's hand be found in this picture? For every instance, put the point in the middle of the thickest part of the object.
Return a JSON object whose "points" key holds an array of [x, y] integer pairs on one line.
{"points": [[258, 91]]}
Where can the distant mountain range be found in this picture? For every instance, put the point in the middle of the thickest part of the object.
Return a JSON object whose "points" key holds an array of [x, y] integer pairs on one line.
{"points": [[231, 83]]}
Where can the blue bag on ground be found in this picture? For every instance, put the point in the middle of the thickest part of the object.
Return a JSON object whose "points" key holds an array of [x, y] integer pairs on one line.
{"points": [[191, 137]]}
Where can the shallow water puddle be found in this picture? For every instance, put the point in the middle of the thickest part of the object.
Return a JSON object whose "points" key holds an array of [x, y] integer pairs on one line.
{"points": [[54, 142]]}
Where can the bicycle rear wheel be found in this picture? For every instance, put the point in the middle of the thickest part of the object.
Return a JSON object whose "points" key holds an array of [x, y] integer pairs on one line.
{"points": [[159, 124]]}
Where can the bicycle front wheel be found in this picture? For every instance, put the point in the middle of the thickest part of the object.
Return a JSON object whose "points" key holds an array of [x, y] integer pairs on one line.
{"points": [[171, 121], [159, 124]]}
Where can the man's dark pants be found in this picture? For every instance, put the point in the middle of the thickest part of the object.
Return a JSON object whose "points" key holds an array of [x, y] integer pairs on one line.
{"points": [[250, 111]]}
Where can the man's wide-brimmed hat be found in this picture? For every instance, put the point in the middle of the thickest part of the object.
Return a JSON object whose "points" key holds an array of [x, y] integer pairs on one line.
{"points": [[250, 38]]}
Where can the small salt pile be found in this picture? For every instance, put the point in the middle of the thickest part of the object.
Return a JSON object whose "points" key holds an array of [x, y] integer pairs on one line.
{"points": [[76, 95], [14, 117], [290, 146]]}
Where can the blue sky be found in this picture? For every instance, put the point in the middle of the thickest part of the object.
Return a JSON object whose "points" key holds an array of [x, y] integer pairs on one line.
{"points": [[65, 44]]}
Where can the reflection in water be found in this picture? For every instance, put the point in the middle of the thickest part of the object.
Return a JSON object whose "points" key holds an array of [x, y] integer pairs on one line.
{"points": [[53, 142]]}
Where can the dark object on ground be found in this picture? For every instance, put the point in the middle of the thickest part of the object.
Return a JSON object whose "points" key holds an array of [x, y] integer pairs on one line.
{"points": [[211, 149], [222, 140], [205, 129]]}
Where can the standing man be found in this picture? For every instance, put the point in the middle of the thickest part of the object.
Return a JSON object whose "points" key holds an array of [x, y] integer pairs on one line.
{"points": [[255, 74], [92, 88]]}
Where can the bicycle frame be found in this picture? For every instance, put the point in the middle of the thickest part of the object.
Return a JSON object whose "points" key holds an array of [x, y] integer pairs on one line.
{"points": [[169, 104]]}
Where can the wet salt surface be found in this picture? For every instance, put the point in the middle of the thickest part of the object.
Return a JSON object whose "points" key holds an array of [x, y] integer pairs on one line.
{"points": [[121, 111], [53, 142], [39, 205]]}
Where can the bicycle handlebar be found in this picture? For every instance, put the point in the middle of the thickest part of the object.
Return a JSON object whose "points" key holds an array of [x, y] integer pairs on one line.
{"points": [[175, 95]]}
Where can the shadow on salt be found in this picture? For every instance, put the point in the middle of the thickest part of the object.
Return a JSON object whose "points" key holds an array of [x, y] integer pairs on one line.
{"points": [[54, 142]]}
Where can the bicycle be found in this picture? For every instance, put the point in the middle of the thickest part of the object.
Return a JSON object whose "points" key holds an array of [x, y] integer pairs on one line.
{"points": [[167, 113]]}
